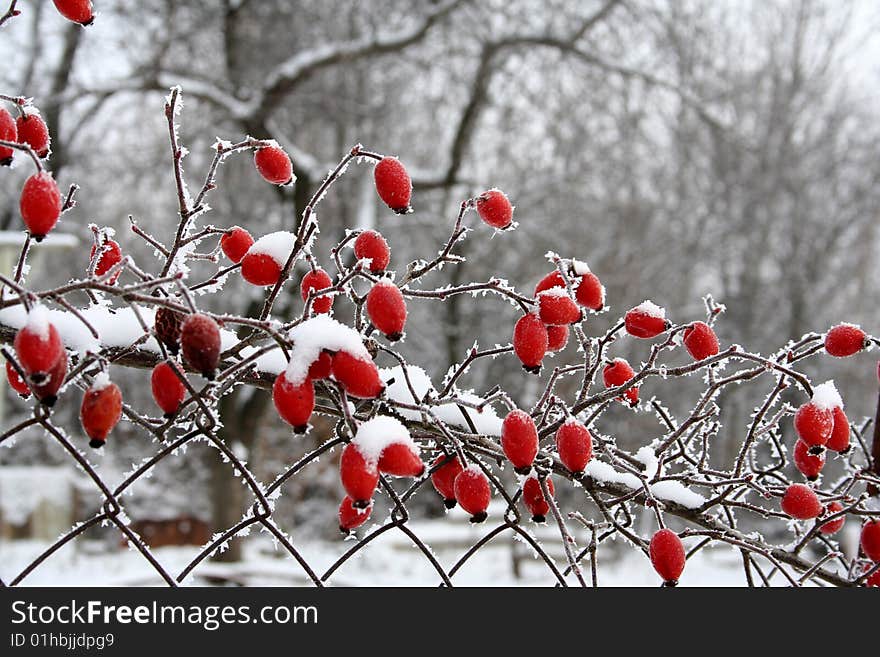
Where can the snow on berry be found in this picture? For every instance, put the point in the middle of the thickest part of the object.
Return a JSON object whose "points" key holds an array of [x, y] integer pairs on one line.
{"points": [[317, 279], [551, 280], [387, 309], [385, 443], [446, 469], [109, 254], [556, 308], [274, 165], [393, 184], [617, 373], [519, 440], [647, 320], [557, 338], [810, 465], [472, 492], [294, 401], [351, 517], [101, 409], [495, 209], [814, 420], [168, 390], [40, 204], [371, 246], [265, 259], [8, 132], [76, 11], [700, 341], [870, 540], [801, 502], [833, 526], [533, 497], [16, 382], [574, 445], [530, 342], [38, 345], [200, 343], [236, 242], [317, 335], [667, 556], [32, 131], [845, 340], [359, 478]]}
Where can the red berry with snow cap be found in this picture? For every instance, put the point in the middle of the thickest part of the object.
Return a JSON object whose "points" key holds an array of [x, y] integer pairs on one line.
{"points": [[810, 465], [387, 309], [386, 443], [317, 279], [8, 132], [40, 204], [351, 517], [647, 320], [667, 556], [519, 440], [16, 382], [108, 254], [294, 401], [274, 165], [359, 477], [235, 244], [264, 260], [574, 445], [533, 497], [870, 540], [101, 409], [473, 493], [393, 184], [556, 308], [801, 502], [495, 209], [833, 526], [446, 469], [557, 338], [32, 131], [530, 341], [358, 377], [814, 421], [200, 343], [700, 341], [38, 346], [371, 245], [618, 372], [168, 390], [845, 340], [76, 11], [551, 280], [590, 292]]}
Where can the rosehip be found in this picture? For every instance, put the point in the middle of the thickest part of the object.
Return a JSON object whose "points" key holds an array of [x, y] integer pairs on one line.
{"points": [[16, 382], [393, 184], [359, 378], [814, 424], [76, 11], [590, 292], [350, 518], [168, 390], [40, 204], [551, 280], [495, 209], [101, 409], [618, 372], [801, 502], [235, 244], [46, 390], [110, 255], [700, 341], [833, 526], [399, 460], [530, 342], [810, 465], [38, 346], [839, 440], [359, 478], [317, 279], [167, 325], [32, 131], [8, 132], [574, 445], [200, 343], [870, 540], [556, 308], [372, 245], [519, 440], [274, 165], [557, 337], [260, 269], [533, 497], [320, 367], [447, 468], [647, 320], [387, 309], [845, 340], [473, 493], [294, 401], [667, 556]]}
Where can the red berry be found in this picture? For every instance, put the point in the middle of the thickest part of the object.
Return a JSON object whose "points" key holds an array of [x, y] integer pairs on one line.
{"points": [[533, 497], [556, 308], [38, 346], [49, 385], [317, 279], [495, 209], [833, 526], [870, 540], [873, 580], [320, 367], [473, 493], [101, 409], [393, 184], [350, 517], [810, 465], [801, 502], [839, 440], [294, 401], [845, 340], [530, 342], [557, 337], [372, 245], [617, 373], [590, 293], [646, 321], [814, 424], [77, 11], [700, 341], [235, 244], [274, 165], [260, 269], [399, 460], [359, 378], [551, 280], [8, 132], [447, 468], [519, 439], [40, 204], [32, 131], [168, 390], [200, 343], [167, 327], [667, 556], [109, 256], [575, 445], [387, 309], [359, 478], [16, 382]]}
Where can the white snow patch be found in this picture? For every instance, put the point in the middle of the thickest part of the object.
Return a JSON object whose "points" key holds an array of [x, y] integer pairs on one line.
{"points": [[374, 435], [278, 246], [826, 397], [669, 490], [580, 268], [651, 309], [38, 322], [101, 381], [313, 336], [557, 291]]}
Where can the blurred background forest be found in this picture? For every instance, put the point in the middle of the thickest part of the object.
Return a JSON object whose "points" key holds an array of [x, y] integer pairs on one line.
{"points": [[679, 147]]}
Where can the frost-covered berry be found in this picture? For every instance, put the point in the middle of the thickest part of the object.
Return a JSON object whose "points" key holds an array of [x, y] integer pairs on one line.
{"points": [[533, 497], [845, 340], [16, 382], [167, 325], [530, 342], [38, 346], [235, 243], [76, 11], [446, 469], [647, 320], [810, 465], [317, 279], [833, 526], [700, 341], [350, 517], [387, 309], [556, 308], [294, 401], [590, 292], [101, 409], [519, 440], [274, 165], [393, 184], [8, 132], [109, 255], [386, 444], [667, 556], [168, 390], [359, 477], [839, 440], [357, 376], [801, 502], [40, 204], [574, 445], [814, 421], [551, 280], [200, 343], [32, 131], [557, 337], [320, 367], [473, 493], [870, 540], [618, 372], [495, 209], [371, 245], [264, 260]]}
